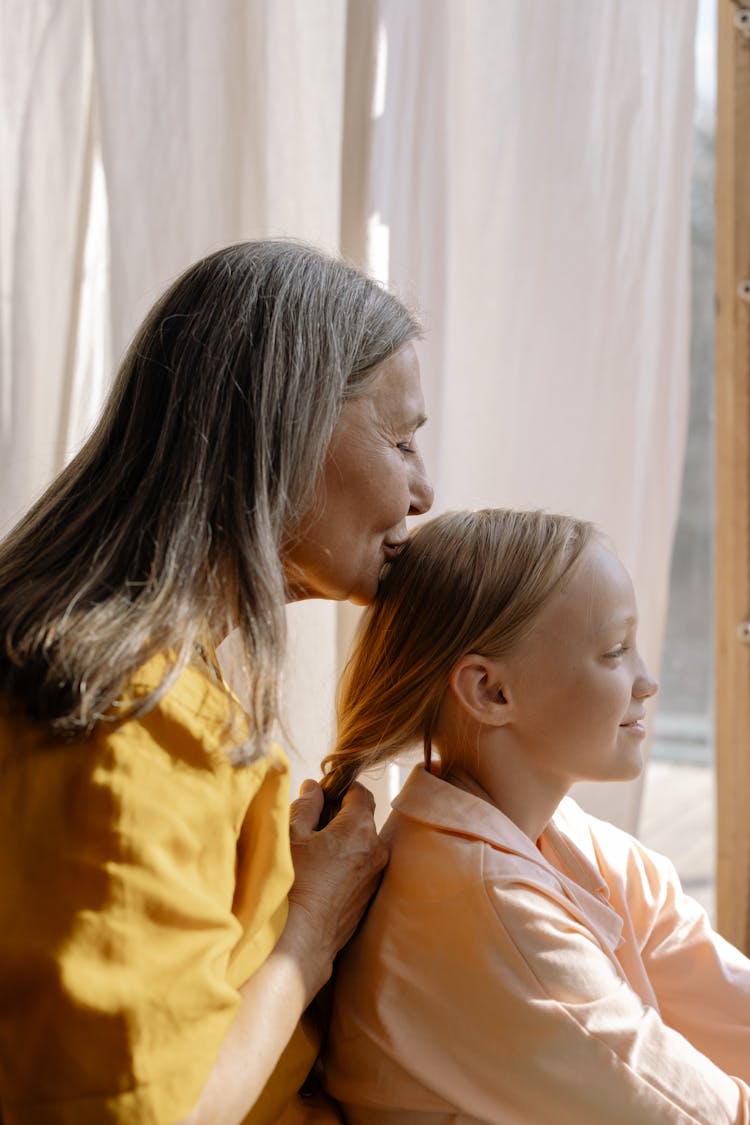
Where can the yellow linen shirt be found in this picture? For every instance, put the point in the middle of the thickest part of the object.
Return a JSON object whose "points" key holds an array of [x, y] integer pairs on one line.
{"points": [[143, 878], [570, 983]]}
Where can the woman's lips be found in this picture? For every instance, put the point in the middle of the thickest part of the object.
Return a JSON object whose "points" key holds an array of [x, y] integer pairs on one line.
{"points": [[393, 550]]}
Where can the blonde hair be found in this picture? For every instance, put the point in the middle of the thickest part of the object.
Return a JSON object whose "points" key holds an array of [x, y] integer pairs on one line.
{"points": [[465, 582], [173, 515]]}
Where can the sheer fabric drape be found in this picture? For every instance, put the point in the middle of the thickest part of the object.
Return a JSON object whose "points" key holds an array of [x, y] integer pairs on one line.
{"points": [[46, 189], [528, 166], [519, 169]]}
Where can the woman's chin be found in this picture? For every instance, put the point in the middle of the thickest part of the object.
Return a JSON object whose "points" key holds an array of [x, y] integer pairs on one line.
{"points": [[362, 595]]}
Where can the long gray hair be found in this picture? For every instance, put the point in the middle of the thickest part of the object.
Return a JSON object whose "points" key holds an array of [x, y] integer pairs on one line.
{"points": [[172, 517]]}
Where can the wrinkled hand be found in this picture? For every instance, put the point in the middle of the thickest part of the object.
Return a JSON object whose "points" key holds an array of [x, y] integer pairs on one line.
{"points": [[336, 873]]}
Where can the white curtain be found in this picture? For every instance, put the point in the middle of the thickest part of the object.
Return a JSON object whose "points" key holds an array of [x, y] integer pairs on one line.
{"points": [[528, 168], [46, 192], [518, 168]]}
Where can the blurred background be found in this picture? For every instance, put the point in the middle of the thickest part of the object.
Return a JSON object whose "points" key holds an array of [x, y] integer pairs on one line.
{"points": [[681, 769]]}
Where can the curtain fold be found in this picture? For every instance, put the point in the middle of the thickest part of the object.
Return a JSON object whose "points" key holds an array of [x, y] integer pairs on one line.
{"points": [[46, 121], [220, 121]]}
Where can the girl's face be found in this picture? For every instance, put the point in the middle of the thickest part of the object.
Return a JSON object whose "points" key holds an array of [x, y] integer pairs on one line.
{"points": [[577, 682]]}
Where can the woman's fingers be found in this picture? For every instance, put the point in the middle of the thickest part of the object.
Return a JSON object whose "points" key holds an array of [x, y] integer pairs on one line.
{"points": [[358, 798], [305, 811], [336, 869], [353, 826]]}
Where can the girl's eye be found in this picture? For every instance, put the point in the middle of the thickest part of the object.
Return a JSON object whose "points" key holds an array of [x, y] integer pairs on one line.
{"points": [[618, 650]]}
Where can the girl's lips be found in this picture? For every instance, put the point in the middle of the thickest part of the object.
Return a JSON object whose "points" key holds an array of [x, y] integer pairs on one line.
{"points": [[635, 726]]}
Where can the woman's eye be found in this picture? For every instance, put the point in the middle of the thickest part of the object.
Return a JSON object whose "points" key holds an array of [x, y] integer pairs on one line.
{"points": [[405, 447]]}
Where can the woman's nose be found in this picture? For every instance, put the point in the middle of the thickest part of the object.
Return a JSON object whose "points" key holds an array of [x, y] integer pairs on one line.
{"points": [[421, 491]]}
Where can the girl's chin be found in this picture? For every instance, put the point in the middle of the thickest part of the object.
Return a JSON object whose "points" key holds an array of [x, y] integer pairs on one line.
{"points": [[631, 765]]}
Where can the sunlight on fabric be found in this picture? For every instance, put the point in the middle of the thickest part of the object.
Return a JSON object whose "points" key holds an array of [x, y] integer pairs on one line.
{"points": [[705, 58], [378, 248], [92, 354], [378, 234], [395, 780], [381, 72]]}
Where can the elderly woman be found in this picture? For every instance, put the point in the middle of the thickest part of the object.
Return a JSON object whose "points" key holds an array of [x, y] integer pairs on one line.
{"points": [[157, 947]]}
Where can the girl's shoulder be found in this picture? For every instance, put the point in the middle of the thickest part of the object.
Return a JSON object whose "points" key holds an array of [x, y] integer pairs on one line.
{"points": [[622, 860]]}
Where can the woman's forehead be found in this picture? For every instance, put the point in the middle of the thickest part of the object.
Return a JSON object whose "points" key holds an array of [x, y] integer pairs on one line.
{"points": [[397, 387]]}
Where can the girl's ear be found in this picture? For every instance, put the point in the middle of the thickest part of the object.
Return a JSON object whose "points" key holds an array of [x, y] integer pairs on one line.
{"points": [[478, 687]]}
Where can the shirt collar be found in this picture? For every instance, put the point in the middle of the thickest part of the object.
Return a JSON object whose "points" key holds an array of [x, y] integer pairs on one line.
{"points": [[565, 847]]}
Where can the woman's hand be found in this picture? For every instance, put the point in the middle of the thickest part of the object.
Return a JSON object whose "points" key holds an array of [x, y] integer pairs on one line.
{"points": [[337, 870]]}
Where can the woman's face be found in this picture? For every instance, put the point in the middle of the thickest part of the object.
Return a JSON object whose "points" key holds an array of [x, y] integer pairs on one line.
{"points": [[372, 480]]}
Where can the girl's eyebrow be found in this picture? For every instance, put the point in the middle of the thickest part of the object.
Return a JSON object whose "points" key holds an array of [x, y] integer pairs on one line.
{"points": [[627, 622]]}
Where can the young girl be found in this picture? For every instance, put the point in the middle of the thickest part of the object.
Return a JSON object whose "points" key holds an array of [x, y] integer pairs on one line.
{"points": [[522, 961]]}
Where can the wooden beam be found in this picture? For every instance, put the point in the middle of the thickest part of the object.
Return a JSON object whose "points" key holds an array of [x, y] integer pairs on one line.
{"points": [[732, 581]]}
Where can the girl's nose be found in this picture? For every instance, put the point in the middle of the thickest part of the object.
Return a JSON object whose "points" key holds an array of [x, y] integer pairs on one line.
{"points": [[645, 685]]}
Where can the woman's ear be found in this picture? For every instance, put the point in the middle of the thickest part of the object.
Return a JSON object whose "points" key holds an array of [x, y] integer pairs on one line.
{"points": [[477, 685]]}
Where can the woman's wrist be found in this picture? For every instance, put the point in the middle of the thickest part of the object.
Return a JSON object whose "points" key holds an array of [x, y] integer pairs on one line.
{"points": [[303, 941]]}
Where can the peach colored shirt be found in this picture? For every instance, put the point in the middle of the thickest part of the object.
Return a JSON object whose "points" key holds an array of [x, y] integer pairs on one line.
{"points": [[561, 984]]}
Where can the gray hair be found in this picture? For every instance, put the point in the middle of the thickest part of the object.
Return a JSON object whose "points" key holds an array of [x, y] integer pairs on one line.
{"points": [[172, 517]]}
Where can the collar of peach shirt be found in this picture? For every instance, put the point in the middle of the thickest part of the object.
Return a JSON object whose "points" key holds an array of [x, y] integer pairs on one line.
{"points": [[565, 852]]}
